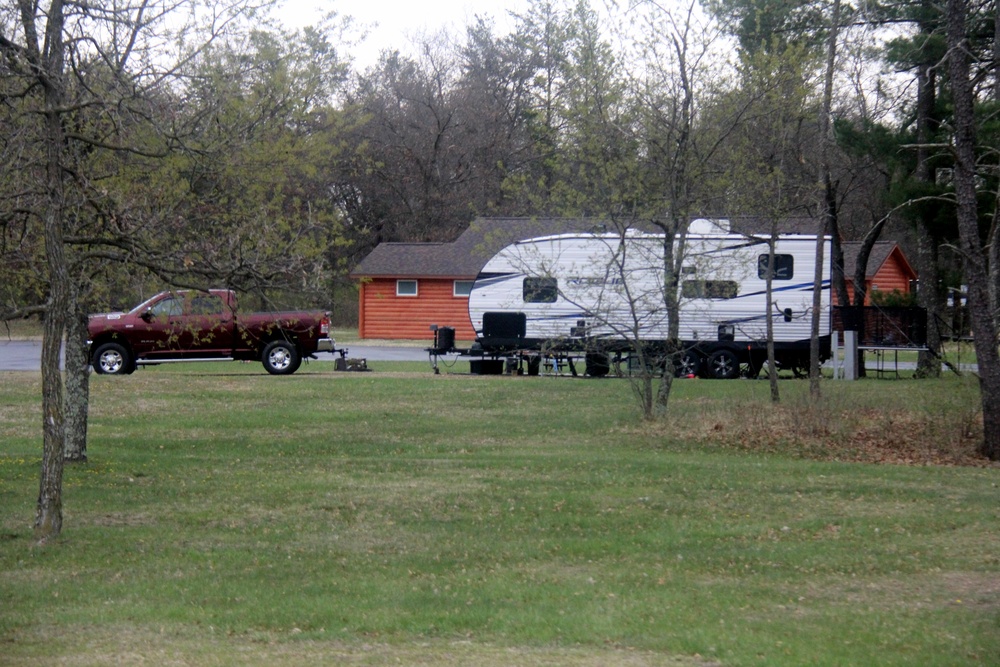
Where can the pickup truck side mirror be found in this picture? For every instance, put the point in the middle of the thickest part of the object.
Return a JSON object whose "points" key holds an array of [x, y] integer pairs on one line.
{"points": [[147, 316]]}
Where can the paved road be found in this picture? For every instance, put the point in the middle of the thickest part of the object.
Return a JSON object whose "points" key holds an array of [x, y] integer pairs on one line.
{"points": [[20, 355], [26, 355]]}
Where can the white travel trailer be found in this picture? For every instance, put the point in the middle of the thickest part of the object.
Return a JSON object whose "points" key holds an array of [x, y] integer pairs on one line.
{"points": [[600, 295]]}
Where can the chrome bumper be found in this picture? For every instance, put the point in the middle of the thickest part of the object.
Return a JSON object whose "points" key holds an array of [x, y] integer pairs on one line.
{"points": [[325, 345]]}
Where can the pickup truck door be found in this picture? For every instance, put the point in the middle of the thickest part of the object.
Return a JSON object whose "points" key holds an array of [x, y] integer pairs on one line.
{"points": [[192, 324], [210, 326], [159, 336]]}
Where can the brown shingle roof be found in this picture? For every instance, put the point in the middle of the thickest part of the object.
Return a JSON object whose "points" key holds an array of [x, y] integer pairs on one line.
{"points": [[466, 255], [880, 253], [408, 259]]}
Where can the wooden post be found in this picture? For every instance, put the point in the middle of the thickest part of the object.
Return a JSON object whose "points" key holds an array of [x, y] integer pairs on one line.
{"points": [[850, 355]]}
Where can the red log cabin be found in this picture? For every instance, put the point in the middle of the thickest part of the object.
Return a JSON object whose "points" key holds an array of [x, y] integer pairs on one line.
{"points": [[887, 271]]}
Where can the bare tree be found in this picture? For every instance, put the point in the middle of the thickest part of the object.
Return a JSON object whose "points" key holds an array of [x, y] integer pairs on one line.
{"points": [[829, 205], [99, 78], [762, 163], [40, 57], [433, 138]]}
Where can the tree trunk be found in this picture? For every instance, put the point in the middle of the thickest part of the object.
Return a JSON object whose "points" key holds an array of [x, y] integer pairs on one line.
{"points": [[861, 262], [838, 281], [673, 256], [860, 274], [77, 384], [983, 325], [817, 301], [829, 201], [994, 262], [996, 50], [48, 516], [994, 238], [772, 367], [663, 394], [929, 291], [930, 297]]}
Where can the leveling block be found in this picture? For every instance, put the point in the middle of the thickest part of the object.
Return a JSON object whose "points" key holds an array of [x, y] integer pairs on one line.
{"points": [[345, 364]]}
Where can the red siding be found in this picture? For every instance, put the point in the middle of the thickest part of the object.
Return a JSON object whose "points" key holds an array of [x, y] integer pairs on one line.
{"points": [[891, 277], [894, 274], [385, 315]]}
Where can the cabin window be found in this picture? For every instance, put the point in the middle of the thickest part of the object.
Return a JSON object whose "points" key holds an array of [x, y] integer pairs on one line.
{"points": [[462, 288], [784, 266], [540, 290], [710, 289], [406, 288]]}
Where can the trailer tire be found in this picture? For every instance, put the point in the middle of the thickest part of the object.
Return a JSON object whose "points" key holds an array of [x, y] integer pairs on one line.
{"points": [[534, 364], [281, 357], [723, 365], [597, 364], [688, 364], [800, 368]]}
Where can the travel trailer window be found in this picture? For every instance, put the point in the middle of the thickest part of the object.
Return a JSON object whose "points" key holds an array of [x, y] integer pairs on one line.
{"points": [[783, 267], [710, 289], [540, 290]]}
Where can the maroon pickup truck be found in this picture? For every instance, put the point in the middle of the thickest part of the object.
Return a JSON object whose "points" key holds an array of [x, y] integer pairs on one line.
{"points": [[193, 325]]}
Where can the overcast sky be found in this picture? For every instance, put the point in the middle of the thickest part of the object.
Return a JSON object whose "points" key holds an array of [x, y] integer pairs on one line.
{"points": [[398, 20]]}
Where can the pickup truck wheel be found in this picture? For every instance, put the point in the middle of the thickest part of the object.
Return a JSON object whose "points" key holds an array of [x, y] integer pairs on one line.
{"points": [[112, 359], [281, 358]]}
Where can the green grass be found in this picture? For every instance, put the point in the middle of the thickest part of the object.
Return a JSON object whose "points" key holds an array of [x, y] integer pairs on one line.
{"points": [[227, 517], [958, 353], [20, 329]]}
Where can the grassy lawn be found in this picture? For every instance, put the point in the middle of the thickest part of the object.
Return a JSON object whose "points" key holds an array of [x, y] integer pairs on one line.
{"points": [[20, 330], [227, 517]]}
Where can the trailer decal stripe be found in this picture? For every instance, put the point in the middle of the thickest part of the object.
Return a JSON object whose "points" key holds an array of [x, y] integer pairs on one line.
{"points": [[489, 279], [800, 287], [721, 249]]}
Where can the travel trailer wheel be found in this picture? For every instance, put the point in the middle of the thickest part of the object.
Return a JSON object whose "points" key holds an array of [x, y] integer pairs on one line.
{"points": [[723, 365], [598, 364], [689, 364]]}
